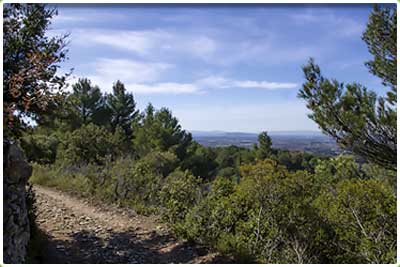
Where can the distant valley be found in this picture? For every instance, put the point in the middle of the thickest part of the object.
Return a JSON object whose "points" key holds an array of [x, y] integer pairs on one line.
{"points": [[307, 141]]}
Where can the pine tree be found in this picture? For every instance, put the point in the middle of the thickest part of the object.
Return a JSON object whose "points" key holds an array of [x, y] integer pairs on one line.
{"points": [[122, 108], [264, 148], [160, 130], [360, 121], [86, 104]]}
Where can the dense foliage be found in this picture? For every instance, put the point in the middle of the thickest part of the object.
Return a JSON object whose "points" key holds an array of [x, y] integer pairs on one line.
{"points": [[30, 81], [344, 212]]}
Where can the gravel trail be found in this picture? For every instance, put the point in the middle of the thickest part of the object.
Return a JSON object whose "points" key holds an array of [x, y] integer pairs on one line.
{"points": [[79, 231]]}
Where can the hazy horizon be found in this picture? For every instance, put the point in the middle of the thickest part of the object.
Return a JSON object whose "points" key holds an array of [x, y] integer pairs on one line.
{"points": [[275, 131]]}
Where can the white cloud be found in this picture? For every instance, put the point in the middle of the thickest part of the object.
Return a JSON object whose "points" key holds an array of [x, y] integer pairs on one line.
{"points": [[218, 82], [150, 43], [141, 88], [141, 42], [106, 71], [164, 88], [129, 70], [265, 85], [69, 18], [166, 44], [215, 82], [139, 77]]}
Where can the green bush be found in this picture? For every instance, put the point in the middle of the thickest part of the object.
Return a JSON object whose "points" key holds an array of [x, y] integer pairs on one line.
{"points": [[363, 216], [180, 192], [277, 216], [331, 171], [163, 163], [202, 222], [274, 221], [200, 161], [40, 148], [139, 182], [90, 144], [373, 171]]}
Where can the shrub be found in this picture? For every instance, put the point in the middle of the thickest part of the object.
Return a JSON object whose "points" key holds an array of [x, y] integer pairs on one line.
{"points": [[267, 217], [67, 179], [202, 221], [363, 215], [163, 163], [40, 148], [181, 191], [90, 144], [331, 171]]}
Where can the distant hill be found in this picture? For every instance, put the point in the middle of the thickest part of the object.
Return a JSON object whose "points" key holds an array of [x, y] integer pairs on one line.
{"points": [[271, 133], [307, 141]]}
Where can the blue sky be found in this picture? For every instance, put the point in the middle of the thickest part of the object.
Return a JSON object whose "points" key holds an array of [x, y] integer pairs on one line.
{"points": [[229, 68]]}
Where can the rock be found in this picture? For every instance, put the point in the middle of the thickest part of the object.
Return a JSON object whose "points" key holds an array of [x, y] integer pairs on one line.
{"points": [[17, 170], [16, 223]]}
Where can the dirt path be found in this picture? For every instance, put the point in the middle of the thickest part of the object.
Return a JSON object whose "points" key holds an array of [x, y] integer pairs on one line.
{"points": [[81, 232]]}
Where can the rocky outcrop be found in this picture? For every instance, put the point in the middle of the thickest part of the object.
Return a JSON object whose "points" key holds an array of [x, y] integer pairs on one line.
{"points": [[16, 230]]}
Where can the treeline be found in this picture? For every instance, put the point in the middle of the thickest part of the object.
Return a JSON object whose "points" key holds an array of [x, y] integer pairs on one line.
{"points": [[258, 205], [88, 127]]}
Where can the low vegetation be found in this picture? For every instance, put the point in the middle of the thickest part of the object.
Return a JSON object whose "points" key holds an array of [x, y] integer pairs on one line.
{"points": [[267, 215]]}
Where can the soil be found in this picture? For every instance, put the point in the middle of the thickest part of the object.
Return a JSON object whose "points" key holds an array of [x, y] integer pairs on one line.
{"points": [[78, 230]]}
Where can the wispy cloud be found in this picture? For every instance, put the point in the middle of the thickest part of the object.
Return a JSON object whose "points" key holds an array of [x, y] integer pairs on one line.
{"points": [[147, 78], [105, 71], [164, 88], [218, 82], [265, 85], [80, 16], [141, 42], [161, 88], [150, 43], [69, 18], [139, 77], [338, 25], [129, 70], [216, 46]]}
